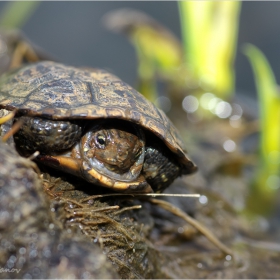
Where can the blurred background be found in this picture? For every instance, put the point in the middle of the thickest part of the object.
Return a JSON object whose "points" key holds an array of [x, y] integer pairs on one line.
{"points": [[73, 32]]}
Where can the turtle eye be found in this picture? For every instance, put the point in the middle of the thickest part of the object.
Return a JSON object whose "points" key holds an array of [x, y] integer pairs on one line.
{"points": [[101, 141]]}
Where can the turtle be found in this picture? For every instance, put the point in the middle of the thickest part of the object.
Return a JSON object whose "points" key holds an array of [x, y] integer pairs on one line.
{"points": [[88, 122]]}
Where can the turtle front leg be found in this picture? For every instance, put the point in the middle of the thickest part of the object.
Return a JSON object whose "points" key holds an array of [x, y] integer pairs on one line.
{"points": [[46, 136], [159, 168]]}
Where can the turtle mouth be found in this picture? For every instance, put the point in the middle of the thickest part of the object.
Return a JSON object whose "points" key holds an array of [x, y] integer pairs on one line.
{"points": [[138, 185], [112, 171], [113, 151]]}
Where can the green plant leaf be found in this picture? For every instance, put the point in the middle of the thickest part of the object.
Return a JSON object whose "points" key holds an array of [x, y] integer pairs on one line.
{"points": [[267, 178], [209, 30], [269, 104]]}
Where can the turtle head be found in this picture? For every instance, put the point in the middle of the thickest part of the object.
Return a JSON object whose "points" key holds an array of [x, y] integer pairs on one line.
{"points": [[114, 150]]}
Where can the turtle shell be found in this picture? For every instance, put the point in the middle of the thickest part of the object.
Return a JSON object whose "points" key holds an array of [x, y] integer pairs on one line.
{"points": [[56, 91]]}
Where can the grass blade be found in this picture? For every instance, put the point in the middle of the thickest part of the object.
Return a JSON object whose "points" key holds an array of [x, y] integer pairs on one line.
{"points": [[267, 180]]}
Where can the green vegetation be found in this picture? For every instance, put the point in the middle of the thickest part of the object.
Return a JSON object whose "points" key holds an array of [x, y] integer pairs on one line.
{"points": [[159, 53], [267, 180], [203, 63], [209, 31]]}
